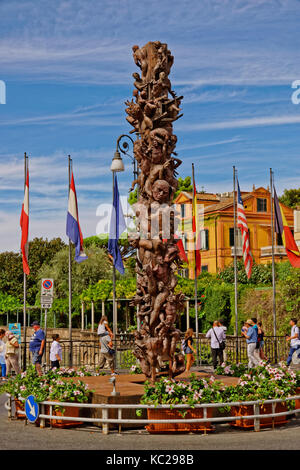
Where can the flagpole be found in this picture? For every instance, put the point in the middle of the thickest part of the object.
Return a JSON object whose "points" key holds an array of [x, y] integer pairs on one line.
{"points": [[273, 262], [70, 277], [235, 263], [196, 285], [24, 275], [114, 271]]}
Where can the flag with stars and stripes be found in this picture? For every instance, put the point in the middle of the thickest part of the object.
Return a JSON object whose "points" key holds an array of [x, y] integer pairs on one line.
{"points": [[242, 225]]}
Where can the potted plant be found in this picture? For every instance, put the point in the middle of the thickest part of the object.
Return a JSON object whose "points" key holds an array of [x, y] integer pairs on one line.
{"points": [[262, 383], [169, 391], [53, 386], [67, 391]]}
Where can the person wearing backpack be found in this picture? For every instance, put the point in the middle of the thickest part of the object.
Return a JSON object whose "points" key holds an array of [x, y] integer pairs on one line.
{"points": [[294, 338], [188, 349]]}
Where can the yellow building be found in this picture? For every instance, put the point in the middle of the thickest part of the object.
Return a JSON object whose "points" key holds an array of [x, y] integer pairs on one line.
{"points": [[217, 228]]}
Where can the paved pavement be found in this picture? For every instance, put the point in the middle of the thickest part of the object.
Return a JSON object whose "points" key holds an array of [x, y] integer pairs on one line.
{"points": [[15, 435]]}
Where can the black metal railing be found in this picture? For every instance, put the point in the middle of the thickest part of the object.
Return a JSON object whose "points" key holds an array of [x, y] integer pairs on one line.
{"points": [[87, 352]]}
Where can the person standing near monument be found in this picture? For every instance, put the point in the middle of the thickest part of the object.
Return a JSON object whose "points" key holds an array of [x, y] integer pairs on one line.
{"points": [[217, 341], [55, 352], [189, 351], [11, 356], [294, 338], [36, 346], [251, 340]]}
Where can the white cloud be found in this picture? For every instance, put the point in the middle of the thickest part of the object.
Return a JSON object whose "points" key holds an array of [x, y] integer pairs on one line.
{"points": [[241, 123]]}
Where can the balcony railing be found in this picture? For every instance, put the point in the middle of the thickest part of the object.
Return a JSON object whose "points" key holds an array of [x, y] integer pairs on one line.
{"points": [[267, 251]]}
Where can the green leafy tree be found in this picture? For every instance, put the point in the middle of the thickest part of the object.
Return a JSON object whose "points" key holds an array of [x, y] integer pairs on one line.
{"points": [[84, 274], [184, 185], [291, 198], [11, 268]]}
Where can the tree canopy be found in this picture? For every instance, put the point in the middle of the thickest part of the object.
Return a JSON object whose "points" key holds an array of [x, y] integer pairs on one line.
{"points": [[291, 198]]}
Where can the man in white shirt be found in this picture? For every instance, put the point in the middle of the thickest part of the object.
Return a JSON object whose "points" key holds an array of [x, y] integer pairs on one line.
{"points": [[217, 339], [294, 338]]}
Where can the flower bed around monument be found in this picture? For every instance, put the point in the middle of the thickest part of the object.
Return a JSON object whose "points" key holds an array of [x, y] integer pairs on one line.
{"points": [[260, 384], [52, 386], [171, 392]]}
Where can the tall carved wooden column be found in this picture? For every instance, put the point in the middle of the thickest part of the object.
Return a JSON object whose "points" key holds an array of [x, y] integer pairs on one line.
{"points": [[151, 112]]}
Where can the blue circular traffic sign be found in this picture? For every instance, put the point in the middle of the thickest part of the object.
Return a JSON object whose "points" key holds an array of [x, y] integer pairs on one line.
{"points": [[47, 284], [31, 409]]}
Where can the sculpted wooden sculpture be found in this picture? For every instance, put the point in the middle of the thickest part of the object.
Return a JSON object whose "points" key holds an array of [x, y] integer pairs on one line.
{"points": [[151, 112]]}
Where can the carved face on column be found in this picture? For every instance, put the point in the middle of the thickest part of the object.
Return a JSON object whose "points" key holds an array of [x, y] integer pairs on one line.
{"points": [[161, 191]]}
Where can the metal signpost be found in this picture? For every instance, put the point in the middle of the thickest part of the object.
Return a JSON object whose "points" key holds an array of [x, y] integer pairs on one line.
{"points": [[46, 301]]}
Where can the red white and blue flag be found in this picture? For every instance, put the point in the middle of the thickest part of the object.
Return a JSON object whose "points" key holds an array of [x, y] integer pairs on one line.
{"points": [[73, 227], [24, 223], [242, 224], [117, 227]]}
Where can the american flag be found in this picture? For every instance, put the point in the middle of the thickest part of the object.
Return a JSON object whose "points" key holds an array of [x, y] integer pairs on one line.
{"points": [[242, 224]]}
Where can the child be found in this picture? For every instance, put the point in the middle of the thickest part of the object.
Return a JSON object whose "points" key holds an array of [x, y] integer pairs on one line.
{"points": [[103, 328], [55, 352]]}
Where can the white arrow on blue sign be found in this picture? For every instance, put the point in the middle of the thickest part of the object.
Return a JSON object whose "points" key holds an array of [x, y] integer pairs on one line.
{"points": [[31, 409]]}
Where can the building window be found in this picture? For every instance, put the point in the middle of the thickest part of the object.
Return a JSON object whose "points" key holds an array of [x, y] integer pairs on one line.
{"points": [[261, 205], [204, 268], [279, 240], [204, 242], [239, 239], [182, 210]]}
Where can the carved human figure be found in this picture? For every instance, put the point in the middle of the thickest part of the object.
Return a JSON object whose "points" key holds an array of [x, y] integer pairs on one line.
{"points": [[140, 58]]}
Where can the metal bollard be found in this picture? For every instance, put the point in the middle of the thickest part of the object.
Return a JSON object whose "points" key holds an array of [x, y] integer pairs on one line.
{"points": [[105, 426], [42, 420], [256, 420]]}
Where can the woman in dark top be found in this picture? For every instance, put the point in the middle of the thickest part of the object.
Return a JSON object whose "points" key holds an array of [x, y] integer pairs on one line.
{"points": [[260, 339], [188, 348]]}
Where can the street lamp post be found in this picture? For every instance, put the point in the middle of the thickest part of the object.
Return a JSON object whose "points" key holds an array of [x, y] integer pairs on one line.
{"points": [[117, 165]]}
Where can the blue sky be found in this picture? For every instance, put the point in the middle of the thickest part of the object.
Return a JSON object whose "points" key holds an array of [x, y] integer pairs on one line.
{"points": [[67, 66]]}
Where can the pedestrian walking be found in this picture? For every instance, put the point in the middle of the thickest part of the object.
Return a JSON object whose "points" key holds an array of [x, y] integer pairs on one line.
{"points": [[251, 339], [55, 352], [188, 349], [11, 355], [294, 338], [107, 353], [222, 325], [217, 343], [260, 340], [2, 355], [36, 346]]}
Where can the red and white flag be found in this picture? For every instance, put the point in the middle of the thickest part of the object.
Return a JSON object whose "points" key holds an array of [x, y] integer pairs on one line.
{"points": [[242, 224], [24, 223]]}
